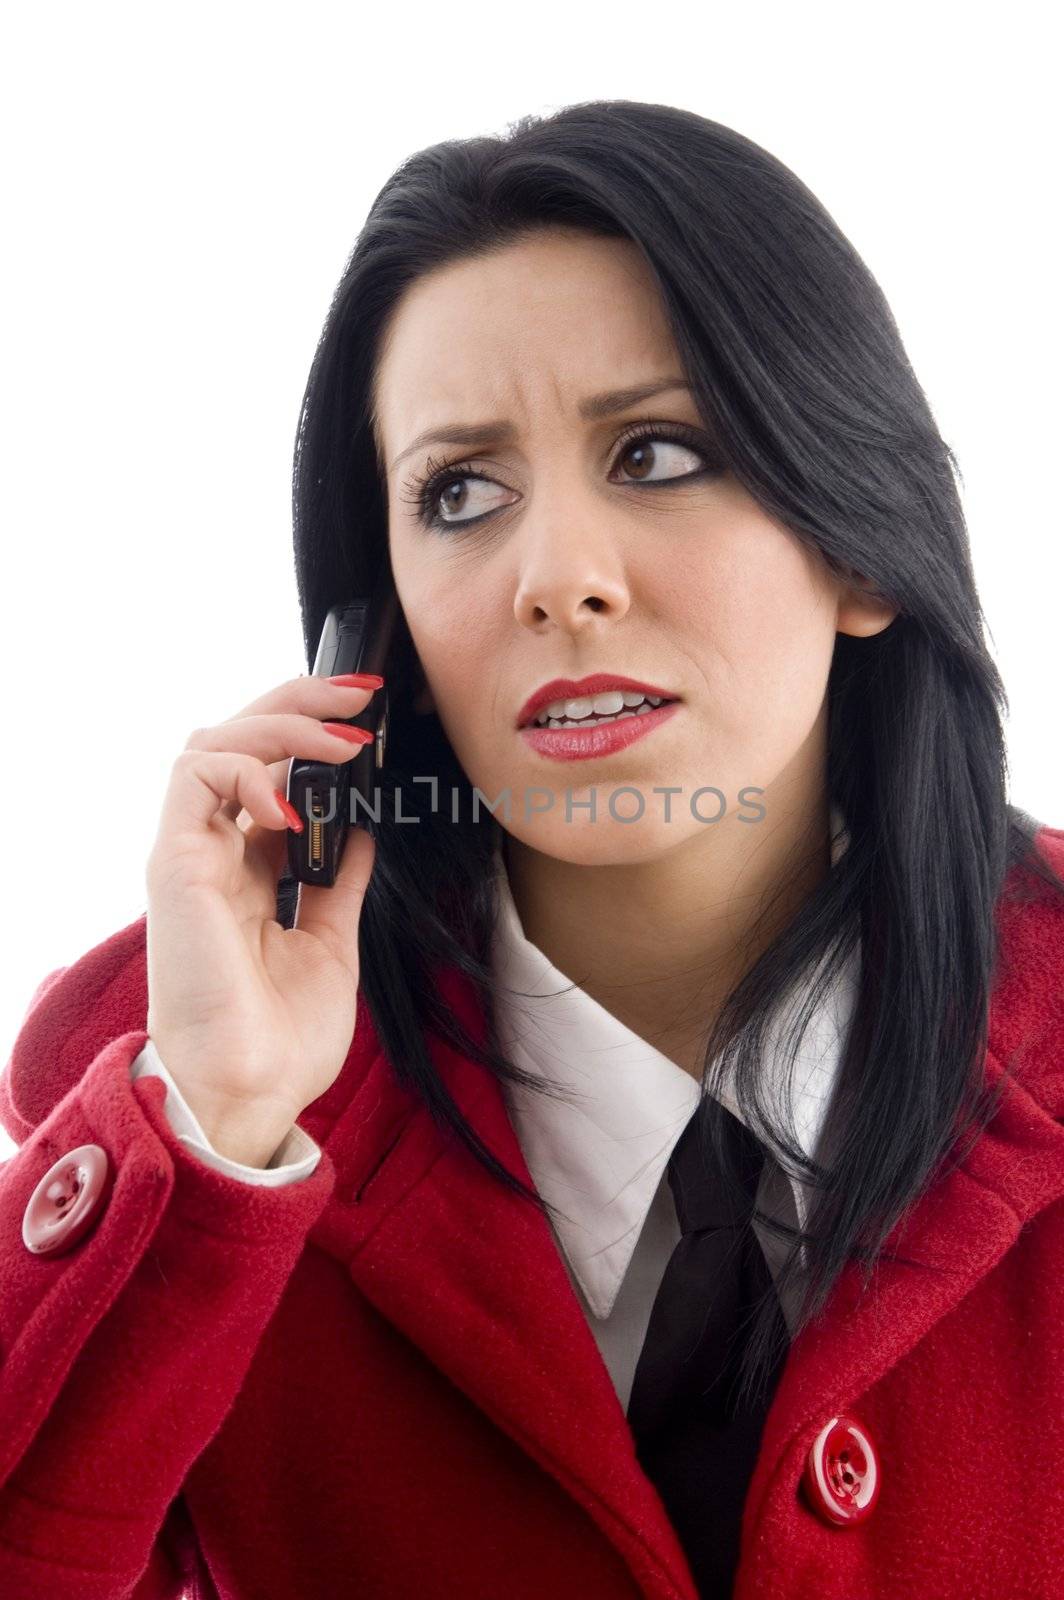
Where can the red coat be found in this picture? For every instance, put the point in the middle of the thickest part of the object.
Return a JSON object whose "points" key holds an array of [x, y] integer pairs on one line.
{"points": [[379, 1382]]}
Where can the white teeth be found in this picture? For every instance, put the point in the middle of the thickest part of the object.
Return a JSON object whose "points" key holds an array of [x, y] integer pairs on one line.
{"points": [[612, 706], [558, 722], [607, 704], [593, 722]]}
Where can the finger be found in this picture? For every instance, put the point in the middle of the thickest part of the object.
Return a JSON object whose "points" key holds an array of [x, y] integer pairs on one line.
{"points": [[275, 738], [311, 695], [333, 914], [265, 855], [278, 771], [203, 781]]}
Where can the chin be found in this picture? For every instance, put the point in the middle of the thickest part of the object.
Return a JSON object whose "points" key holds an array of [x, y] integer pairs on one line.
{"points": [[605, 842]]}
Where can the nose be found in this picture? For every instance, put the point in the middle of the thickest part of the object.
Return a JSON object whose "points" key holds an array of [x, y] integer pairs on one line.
{"points": [[565, 587]]}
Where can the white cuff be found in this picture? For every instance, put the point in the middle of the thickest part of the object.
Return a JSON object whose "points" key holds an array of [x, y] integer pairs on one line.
{"points": [[295, 1157]]}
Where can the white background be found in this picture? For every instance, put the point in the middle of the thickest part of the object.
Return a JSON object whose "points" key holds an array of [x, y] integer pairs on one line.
{"points": [[182, 187]]}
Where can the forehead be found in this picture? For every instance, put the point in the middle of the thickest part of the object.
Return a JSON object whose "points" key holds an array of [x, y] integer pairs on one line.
{"points": [[542, 322]]}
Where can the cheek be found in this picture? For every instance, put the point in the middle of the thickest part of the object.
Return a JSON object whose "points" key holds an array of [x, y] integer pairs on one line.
{"points": [[761, 631], [456, 641]]}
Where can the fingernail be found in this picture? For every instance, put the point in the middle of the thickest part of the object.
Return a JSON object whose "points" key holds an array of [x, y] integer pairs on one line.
{"points": [[289, 812], [344, 731], [358, 680]]}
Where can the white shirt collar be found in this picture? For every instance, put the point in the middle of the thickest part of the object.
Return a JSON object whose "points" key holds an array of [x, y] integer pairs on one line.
{"points": [[598, 1154]]}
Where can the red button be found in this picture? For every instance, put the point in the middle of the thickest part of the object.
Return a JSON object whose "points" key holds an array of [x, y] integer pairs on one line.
{"points": [[841, 1478], [68, 1201]]}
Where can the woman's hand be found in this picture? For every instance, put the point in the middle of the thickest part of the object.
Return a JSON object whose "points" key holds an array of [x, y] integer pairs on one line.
{"points": [[252, 1020]]}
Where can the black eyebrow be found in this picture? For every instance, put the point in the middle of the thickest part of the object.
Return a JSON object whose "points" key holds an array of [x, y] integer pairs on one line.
{"points": [[592, 409]]}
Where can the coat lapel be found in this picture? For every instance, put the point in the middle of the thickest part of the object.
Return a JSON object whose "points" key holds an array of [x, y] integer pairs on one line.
{"points": [[960, 1228], [473, 1276]]}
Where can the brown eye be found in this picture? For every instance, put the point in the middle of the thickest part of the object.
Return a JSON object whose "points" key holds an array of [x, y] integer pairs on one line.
{"points": [[640, 456], [455, 495], [460, 498], [441, 495]]}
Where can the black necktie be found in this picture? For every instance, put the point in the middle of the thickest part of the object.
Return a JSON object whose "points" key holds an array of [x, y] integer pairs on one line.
{"points": [[696, 1445]]}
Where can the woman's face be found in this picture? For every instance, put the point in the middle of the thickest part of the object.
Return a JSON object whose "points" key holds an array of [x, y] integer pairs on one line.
{"points": [[571, 548]]}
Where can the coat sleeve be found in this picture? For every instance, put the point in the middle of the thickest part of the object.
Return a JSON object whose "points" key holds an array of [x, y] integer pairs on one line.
{"points": [[122, 1352], [294, 1159]]}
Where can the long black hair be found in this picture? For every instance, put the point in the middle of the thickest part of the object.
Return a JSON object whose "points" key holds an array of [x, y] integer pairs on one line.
{"points": [[799, 372]]}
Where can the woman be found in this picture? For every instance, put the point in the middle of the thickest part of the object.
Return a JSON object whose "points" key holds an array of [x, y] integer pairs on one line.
{"points": [[630, 425]]}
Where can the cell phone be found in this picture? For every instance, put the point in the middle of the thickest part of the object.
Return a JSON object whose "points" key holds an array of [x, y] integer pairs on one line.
{"points": [[356, 637]]}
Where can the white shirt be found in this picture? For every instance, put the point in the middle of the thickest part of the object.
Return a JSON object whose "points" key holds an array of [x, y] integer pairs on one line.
{"points": [[599, 1154]]}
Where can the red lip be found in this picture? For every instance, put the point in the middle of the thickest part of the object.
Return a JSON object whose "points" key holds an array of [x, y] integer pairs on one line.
{"points": [[573, 688], [596, 742]]}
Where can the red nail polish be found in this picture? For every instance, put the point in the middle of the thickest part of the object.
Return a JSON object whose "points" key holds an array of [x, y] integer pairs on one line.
{"points": [[344, 731], [358, 680], [289, 812]]}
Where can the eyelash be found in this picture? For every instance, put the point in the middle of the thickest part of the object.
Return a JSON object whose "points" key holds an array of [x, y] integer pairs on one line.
{"points": [[424, 490]]}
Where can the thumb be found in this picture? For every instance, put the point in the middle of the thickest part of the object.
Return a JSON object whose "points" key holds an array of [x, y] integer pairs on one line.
{"points": [[333, 914]]}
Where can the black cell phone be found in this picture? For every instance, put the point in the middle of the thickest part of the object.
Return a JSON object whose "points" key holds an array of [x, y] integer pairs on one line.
{"points": [[356, 637]]}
